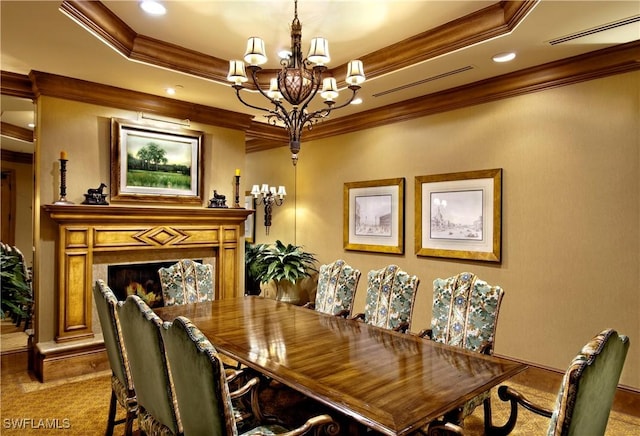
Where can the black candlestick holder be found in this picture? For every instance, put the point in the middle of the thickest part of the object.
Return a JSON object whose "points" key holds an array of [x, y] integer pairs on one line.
{"points": [[237, 203], [63, 183]]}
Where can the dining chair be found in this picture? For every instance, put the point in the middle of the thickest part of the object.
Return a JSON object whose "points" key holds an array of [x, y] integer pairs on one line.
{"points": [[337, 283], [584, 400], [391, 294], [141, 329], [202, 391], [465, 314], [186, 281], [122, 389]]}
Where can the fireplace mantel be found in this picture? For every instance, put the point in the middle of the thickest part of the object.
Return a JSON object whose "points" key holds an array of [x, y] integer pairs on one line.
{"points": [[84, 230]]}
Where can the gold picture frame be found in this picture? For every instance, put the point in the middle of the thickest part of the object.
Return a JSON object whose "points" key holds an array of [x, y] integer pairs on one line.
{"points": [[154, 164], [374, 216], [459, 215]]}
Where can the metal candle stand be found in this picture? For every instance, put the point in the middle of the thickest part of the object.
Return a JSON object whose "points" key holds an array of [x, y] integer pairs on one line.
{"points": [[63, 183]]}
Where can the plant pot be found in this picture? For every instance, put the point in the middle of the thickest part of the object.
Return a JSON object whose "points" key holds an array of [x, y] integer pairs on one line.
{"points": [[290, 293]]}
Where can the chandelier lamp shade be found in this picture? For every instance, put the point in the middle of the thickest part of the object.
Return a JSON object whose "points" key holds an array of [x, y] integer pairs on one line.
{"points": [[269, 197], [297, 83]]}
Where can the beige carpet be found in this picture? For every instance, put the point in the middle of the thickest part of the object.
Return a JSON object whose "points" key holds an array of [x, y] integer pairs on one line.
{"points": [[79, 406]]}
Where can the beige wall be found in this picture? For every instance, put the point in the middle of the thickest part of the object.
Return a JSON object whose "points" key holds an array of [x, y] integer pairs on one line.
{"points": [[24, 207], [571, 209], [83, 131]]}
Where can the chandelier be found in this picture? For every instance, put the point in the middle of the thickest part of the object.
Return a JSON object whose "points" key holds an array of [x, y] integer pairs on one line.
{"points": [[297, 83]]}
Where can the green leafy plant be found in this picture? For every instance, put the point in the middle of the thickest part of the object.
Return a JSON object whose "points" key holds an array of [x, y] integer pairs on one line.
{"points": [[16, 291], [287, 262], [254, 267]]}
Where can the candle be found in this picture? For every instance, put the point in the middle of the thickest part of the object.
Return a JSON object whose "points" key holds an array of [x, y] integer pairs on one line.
{"points": [[237, 171], [63, 155]]}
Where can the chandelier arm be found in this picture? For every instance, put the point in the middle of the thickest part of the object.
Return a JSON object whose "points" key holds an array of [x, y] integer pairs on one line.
{"points": [[238, 89]]}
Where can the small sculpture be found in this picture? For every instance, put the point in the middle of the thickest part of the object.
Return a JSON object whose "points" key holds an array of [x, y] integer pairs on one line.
{"points": [[218, 200], [96, 195]]}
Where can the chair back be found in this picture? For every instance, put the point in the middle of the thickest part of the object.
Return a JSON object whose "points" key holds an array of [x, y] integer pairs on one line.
{"points": [[586, 394], [465, 312], [391, 293], [337, 283], [200, 382], [106, 305], [141, 329], [186, 282]]}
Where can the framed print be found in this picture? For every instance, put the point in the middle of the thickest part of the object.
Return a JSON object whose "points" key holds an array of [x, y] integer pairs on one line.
{"points": [[374, 216], [250, 223], [155, 165], [458, 215]]}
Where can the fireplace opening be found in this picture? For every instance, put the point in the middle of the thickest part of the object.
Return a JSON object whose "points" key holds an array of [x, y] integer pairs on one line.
{"points": [[141, 279]]}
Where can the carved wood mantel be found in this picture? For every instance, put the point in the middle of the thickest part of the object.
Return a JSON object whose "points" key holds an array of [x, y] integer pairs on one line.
{"points": [[85, 230]]}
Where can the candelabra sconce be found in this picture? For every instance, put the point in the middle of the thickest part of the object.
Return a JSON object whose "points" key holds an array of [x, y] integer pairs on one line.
{"points": [[269, 197]]}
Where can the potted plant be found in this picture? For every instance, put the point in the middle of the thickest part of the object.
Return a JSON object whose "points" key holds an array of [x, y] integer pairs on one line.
{"points": [[286, 265], [16, 291], [254, 267]]}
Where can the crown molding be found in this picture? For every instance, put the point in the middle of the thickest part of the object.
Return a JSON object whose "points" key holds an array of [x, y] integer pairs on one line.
{"points": [[16, 156], [16, 85], [16, 132], [53, 85]]}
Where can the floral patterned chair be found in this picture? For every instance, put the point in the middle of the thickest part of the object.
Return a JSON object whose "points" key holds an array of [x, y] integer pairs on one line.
{"points": [[186, 282], [122, 390], [157, 405], [391, 293], [586, 394], [465, 314], [203, 394], [337, 283]]}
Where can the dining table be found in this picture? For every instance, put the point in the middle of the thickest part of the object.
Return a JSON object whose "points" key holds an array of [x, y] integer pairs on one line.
{"points": [[393, 383]]}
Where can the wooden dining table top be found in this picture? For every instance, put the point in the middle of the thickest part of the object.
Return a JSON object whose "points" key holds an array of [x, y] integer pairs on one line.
{"points": [[391, 382]]}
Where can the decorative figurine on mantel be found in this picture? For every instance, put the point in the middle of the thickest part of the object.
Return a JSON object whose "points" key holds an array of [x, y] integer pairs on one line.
{"points": [[96, 196], [218, 200]]}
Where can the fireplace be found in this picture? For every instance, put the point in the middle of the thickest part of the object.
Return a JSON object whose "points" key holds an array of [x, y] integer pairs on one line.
{"points": [[91, 238]]}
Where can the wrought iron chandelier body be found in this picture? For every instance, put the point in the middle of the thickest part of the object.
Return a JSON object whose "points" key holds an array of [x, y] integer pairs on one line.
{"points": [[297, 83]]}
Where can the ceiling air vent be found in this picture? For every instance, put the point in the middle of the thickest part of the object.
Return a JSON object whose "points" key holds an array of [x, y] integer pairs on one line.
{"points": [[420, 82], [594, 30]]}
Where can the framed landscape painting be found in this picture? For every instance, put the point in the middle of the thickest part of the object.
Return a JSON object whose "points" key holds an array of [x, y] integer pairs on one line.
{"points": [[458, 215], [155, 165], [374, 216]]}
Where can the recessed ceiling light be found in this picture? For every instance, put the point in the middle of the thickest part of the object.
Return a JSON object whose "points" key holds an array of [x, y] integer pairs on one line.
{"points": [[31, 125], [357, 101], [153, 7], [504, 57], [170, 91]]}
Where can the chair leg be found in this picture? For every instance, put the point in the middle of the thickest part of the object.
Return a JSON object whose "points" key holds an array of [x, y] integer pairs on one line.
{"points": [[488, 424], [112, 414], [128, 426]]}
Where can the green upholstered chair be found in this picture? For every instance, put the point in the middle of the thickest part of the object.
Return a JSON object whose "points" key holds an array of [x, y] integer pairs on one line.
{"points": [[122, 389], [391, 293], [337, 283], [203, 394], [157, 406], [465, 314], [586, 394], [186, 282]]}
